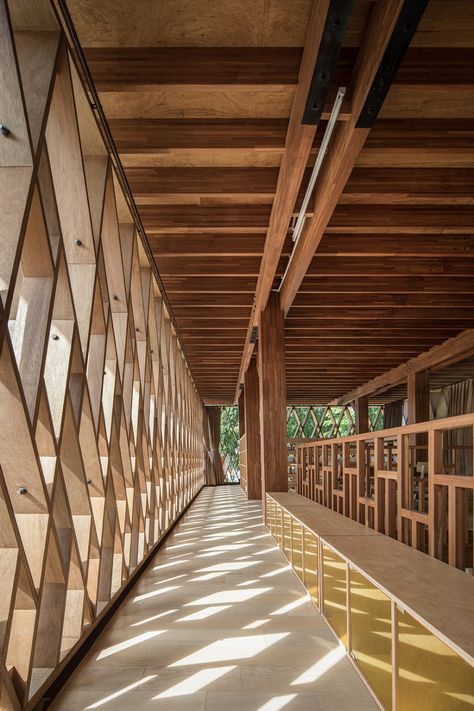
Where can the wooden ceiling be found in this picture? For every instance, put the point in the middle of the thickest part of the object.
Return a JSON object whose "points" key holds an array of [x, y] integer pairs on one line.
{"points": [[199, 97]]}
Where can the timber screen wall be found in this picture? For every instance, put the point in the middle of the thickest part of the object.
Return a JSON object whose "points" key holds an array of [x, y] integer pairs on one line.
{"points": [[101, 438]]}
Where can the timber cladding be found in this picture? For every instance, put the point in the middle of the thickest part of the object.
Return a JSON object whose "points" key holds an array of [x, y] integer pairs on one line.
{"points": [[101, 427]]}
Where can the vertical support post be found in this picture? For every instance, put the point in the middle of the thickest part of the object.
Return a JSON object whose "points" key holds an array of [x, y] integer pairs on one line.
{"points": [[241, 405], [418, 395], [252, 432], [272, 390], [361, 409]]}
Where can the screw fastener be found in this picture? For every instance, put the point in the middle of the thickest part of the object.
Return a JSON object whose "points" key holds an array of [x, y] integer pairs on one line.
{"points": [[22, 490], [4, 130]]}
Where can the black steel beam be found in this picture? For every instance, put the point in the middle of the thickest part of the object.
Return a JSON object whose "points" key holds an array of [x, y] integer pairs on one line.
{"points": [[405, 27], [337, 19]]}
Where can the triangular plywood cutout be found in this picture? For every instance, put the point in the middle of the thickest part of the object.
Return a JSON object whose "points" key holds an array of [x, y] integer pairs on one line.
{"points": [[95, 167], [59, 346], [36, 52]]}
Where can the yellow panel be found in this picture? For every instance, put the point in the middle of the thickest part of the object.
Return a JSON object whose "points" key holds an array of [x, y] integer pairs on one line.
{"points": [[297, 560], [334, 592], [430, 674], [371, 635], [286, 535], [311, 564]]}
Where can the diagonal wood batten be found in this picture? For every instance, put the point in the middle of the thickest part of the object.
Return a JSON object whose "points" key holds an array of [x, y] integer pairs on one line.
{"points": [[101, 426]]}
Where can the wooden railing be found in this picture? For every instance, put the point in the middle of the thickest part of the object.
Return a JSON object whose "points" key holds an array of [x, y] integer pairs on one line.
{"points": [[413, 483]]}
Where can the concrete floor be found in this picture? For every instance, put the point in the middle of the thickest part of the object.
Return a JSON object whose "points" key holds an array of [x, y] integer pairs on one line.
{"points": [[218, 622]]}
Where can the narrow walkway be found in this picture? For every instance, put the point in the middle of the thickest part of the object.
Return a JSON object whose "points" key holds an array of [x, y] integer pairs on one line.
{"points": [[218, 622]]}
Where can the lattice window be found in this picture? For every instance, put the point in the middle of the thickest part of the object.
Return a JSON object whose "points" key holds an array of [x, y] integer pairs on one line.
{"points": [[323, 422], [229, 443]]}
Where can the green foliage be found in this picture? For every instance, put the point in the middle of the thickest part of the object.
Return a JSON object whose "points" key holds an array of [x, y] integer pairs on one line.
{"points": [[317, 421], [229, 443]]}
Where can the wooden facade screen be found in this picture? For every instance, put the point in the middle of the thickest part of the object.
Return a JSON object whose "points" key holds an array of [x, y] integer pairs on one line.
{"points": [[101, 427]]}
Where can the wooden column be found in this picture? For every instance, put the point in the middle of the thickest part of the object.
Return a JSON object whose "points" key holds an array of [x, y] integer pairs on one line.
{"points": [[272, 389], [241, 405], [418, 396], [252, 432], [361, 409]]}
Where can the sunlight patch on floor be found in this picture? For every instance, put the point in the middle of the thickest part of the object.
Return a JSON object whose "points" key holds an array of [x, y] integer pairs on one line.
{"points": [[127, 643], [256, 623], [231, 648], [194, 683], [277, 703], [155, 593], [120, 692], [153, 618], [321, 666], [292, 605], [226, 596], [204, 614]]}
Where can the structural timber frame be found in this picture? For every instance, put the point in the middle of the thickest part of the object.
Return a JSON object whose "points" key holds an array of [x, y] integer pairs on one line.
{"points": [[101, 443]]}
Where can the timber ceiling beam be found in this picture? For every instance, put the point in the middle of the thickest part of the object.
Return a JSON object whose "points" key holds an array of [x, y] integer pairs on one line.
{"points": [[391, 27], [441, 356], [325, 31]]}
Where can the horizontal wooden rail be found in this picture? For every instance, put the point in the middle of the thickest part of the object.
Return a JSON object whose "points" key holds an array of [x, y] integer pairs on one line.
{"points": [[413, 483], [405, 619]]}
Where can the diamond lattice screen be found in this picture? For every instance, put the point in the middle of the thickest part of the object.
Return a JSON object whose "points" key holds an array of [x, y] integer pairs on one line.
{"points": [[101, 439], [323, 422]]}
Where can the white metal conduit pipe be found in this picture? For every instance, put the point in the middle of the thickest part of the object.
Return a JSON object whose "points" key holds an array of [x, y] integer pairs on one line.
{"points": [[315, 172]]}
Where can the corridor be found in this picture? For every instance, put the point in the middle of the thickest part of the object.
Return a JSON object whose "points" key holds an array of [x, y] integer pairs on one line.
{"points": [[218, 622]]}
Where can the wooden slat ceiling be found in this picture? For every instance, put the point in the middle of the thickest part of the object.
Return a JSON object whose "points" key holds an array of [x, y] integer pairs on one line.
{"points": [[198, 97]]}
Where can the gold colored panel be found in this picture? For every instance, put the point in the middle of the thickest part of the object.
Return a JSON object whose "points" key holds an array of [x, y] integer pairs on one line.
{"points": [[334, 592], [430, 674], [371, 635], [310, 575], [297, 558]]}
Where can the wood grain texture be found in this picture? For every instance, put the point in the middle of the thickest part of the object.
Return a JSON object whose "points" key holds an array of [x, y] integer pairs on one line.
{"points": [[252, 432], [101, 425], [272, 397]]}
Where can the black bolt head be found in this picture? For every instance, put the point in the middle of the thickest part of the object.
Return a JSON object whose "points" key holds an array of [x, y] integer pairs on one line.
{"points": [[4, 130]]}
